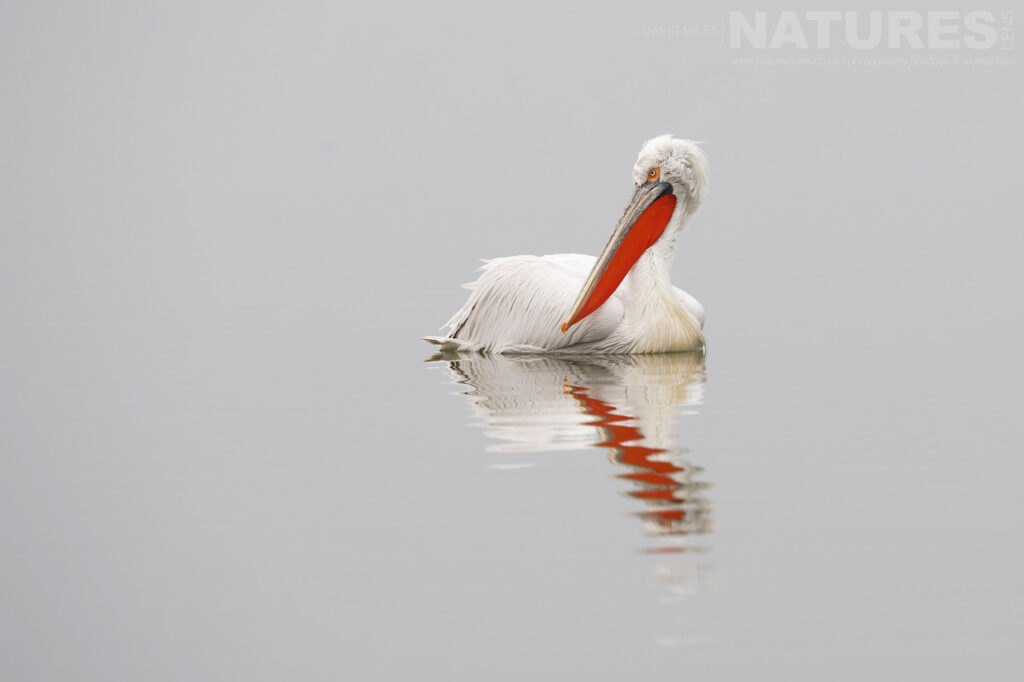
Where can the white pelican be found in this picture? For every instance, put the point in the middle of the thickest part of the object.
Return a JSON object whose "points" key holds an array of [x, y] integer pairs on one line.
{"points": [[570, 303]]}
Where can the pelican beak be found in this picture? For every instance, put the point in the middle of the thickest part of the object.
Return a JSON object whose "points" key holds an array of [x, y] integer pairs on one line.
{"points": [[641, 225]]}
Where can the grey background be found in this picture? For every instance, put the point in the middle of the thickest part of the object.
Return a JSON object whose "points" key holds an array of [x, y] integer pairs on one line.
{"points": [[224, 227]]}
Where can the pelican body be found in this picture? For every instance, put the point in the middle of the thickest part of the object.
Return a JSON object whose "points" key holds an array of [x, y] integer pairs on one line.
{"points": [[620, 302]]}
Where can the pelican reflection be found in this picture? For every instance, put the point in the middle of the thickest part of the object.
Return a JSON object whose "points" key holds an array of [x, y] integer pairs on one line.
{"points": [[626, 405]]}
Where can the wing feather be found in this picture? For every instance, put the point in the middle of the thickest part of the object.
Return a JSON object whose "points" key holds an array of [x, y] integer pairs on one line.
{"points": [[518, 303]]}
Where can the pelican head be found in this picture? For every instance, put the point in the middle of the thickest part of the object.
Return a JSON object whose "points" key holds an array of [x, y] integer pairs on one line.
{"points": [[671, 177], [680, 163]]}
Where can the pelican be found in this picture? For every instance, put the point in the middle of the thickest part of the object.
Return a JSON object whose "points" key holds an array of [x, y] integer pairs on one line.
{"points": [[620, 302]]}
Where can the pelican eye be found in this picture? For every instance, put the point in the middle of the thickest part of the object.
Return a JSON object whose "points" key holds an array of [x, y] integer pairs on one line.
{"points": [[653, 174]]}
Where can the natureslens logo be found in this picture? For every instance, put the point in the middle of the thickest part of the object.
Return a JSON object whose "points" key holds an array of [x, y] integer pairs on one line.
{"points": [[875, 30]]}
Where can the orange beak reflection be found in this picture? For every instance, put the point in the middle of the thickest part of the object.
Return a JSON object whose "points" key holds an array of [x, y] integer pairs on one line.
{"points": [[641, 224]]}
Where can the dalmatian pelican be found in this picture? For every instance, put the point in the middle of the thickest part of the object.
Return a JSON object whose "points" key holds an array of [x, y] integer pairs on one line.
{"points": [[620, 302]]}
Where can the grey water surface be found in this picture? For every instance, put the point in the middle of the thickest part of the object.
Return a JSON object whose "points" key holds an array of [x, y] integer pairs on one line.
{"points": [[226, 454]]}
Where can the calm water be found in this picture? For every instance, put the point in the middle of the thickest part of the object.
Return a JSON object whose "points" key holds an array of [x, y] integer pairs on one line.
{"points": [[224, 495], [225, 453]]}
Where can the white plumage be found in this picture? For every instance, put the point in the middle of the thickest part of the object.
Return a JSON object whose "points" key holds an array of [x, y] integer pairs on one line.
{"points": [[518, 304]]}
